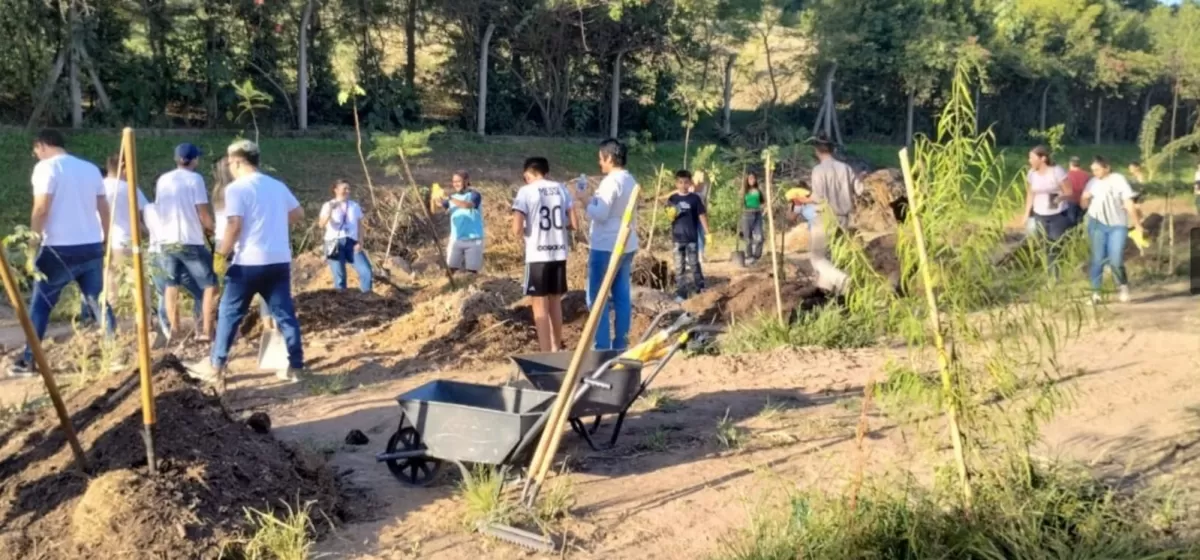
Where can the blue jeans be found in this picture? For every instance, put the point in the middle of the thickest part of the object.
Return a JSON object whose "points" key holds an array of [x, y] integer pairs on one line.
{"points": [[809, 213], [158, 276], [347, 254], [191, 260], [273, 282], [59, 266], [1108, 246], [614, 335]]}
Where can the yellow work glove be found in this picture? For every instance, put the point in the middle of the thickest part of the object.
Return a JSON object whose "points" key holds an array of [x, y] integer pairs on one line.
{"points": [[436, 194], [1139, 239], [671, 212], [708, 239]]}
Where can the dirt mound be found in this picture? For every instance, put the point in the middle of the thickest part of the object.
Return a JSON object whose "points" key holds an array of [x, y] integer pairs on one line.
{"points": [[211, 468], [749, 296], [347, 309], [1156, 224], [881, 251], [874, 208], [652, 272]]}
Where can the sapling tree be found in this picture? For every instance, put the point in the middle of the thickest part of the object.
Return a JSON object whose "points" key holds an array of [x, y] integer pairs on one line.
{"points": [[994, 355], [251, 100], [405, 146], [350, 95], [1152, 163]]}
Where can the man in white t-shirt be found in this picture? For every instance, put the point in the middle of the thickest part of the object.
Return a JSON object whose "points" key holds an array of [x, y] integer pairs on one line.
{"points": [[606, 209], [542, 215], [260, 211], [159, 278], [184, 215], [120, 230], [70, 216]]}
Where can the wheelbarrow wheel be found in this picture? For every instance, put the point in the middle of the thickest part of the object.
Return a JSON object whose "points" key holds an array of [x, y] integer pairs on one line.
{"points": [[414, 471]]}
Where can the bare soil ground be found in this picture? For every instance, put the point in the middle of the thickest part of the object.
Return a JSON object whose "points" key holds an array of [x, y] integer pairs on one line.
{"points": [[669, 489]]}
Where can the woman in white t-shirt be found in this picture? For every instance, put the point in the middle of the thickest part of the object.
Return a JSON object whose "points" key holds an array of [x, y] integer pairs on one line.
{"points": [[342, 219], [1047, 189], [1108, 199]]}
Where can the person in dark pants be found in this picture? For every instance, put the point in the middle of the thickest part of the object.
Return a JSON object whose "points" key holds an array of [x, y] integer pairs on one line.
{"points": [[751, 227], [1047, 189], [259, 210], [342, 219], [70, 217], [688, 216]]}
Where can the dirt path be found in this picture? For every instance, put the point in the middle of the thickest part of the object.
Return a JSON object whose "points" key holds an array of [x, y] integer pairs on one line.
{"points": [[670, 490]]}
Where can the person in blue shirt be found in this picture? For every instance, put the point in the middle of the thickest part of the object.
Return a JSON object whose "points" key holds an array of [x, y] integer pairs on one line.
{"points": [[465, 249]]}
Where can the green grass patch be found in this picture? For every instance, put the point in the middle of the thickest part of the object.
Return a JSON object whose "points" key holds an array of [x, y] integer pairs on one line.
{"points": [[829, 327], [1061, 514]]}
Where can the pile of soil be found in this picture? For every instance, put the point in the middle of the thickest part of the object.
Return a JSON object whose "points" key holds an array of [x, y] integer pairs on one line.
{"points": [[211, 469], [749, 296], [348, 309], [652, 272], [490, 334], [881, 251], [875, 208]]}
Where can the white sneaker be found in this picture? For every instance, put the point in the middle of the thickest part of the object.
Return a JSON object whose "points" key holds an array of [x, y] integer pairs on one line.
{"points": [[291, 374], [1123, 294], [1095, 299], [205, 372]]}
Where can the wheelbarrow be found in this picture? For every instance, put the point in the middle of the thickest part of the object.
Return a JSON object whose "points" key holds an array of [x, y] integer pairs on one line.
{"points": [[619, 375]]}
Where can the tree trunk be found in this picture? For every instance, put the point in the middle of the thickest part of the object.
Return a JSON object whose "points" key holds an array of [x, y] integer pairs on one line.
{"points": [[614, 117], [410, 45], [101, 94], [481, 114], [302, 102], [1045, 99], [727, 96], [1099, 116], [771, 71], [212, 107], [47, 89], [76, 92], [908, 127]]}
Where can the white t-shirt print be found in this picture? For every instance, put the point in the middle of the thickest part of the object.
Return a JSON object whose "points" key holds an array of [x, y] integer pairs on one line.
{"points": [[177, 194], [263, 204], [117, 192], [75, 185], [546, 205]]}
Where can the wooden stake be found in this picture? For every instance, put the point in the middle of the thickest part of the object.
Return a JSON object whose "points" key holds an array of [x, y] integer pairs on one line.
{"points": [[654, 213], [552, 435], [775, 264], [433, 235], [39, 359], [149, 418], [939, 342]]}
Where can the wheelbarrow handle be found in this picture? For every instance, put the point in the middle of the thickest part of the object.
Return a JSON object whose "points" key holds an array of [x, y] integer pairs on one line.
{"points": [[650, 330], [597, 384]]}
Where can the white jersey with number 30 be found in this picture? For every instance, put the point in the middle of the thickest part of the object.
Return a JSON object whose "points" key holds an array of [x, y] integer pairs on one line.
{"points": [[545, 205]]}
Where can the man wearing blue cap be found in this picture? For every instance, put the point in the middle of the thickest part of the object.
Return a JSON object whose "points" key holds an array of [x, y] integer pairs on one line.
{"points": [[184, 215]]}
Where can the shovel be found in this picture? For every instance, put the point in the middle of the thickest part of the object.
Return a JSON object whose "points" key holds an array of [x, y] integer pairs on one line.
{"points": [[272, 350]]}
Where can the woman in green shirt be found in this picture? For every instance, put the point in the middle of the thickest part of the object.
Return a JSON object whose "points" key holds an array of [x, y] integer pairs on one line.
{"points": [[751, 227]]}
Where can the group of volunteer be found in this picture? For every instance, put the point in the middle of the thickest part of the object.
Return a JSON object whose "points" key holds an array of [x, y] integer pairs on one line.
{"points": [[80, 220]]}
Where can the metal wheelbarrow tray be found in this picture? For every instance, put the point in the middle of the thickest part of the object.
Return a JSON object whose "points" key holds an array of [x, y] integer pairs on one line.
{"points": [[616, 383], [463, 423]]}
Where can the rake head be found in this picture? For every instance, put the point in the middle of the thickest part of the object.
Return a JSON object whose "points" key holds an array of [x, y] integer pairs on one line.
{"points": [[519, 537]]}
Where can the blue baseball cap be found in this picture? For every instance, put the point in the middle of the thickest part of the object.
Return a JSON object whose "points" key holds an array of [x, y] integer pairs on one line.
{"points": [[187, 152]]}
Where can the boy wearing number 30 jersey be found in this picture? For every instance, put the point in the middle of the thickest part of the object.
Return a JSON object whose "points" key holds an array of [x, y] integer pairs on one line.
{"points": [[542, 214]]}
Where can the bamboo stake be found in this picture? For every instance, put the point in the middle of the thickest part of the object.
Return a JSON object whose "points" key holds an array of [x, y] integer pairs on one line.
{"points": [[775, 265], [129, 146], [39, 359], [914, 218], [552, 435], [654, 213]]}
